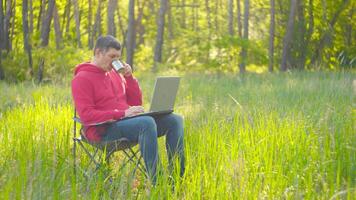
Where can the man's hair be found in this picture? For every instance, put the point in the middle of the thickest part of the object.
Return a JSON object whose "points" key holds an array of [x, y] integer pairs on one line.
{"points": [[105, 42]]}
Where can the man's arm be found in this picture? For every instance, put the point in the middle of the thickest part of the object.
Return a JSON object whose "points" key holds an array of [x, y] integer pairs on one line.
{"points": [[133, 91], [83, 96]]}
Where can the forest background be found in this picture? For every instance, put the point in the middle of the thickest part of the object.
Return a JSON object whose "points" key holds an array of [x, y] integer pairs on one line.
{"points": [[44, 38]]}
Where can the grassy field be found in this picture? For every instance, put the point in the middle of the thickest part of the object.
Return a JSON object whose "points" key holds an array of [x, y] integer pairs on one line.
{"points": [[268, 136]]}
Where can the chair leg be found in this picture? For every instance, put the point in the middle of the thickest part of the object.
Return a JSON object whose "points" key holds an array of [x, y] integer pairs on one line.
{"points": [[74, 158]]}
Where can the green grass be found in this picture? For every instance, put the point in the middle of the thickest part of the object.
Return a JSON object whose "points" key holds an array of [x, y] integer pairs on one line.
{"points": [[273, 136]]}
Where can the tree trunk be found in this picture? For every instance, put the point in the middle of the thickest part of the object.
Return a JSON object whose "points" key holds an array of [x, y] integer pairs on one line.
{"points": [[41, 14], [131, 34], [7, 42], [77, 23], [208, 18], [47, 23], [231, 17], [289, 34], [2, 39], [327, 35], [2, 31], [112, 4], [31, 16], [2, 74], [216, 16], [271, 36], [40, 70], [12, 23], [89, 28], [239, 24], [170, 21], [57, 28], [243, 53], [97, 23], [67, 16], [301, 37], [140, 28], [348, 28], [27, 45], [160, 34]]}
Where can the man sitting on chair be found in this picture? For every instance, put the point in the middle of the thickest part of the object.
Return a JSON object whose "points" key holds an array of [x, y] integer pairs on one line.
{"points": [[103, 96]]}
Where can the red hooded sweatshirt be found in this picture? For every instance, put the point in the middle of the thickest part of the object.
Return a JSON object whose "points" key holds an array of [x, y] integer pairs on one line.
{"points": [[101, 96]]}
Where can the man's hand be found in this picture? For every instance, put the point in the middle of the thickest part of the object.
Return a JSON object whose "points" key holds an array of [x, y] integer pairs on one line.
{"points": [[133, 110], [127, 70]]}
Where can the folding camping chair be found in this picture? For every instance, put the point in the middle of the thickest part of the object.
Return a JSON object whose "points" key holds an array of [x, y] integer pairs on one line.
{"points": [[100, 152]]}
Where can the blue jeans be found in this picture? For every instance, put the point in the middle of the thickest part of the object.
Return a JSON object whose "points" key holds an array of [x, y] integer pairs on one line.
{"points": [[145, 130]]}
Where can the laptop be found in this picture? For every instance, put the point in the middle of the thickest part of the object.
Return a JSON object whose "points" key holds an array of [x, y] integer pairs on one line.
{"points": [[163, 97]]}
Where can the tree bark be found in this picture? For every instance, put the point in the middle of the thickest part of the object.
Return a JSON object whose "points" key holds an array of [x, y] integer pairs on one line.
{"points": [[140, 28], [2, 31], [216, 16], [31, 16], [231, 17], [112, 4], [131, 34], [208, 18], [90, 21], [27, 45], [47, 23], [289, 34], [67, 16], [239, 24], [7, 42], [160, 34], [170, 21], [77, 23], [41, 14], [97, 23], [348, 28], [57, 28], [243, 53], [2, 39], [12, 23], [271, 36]]}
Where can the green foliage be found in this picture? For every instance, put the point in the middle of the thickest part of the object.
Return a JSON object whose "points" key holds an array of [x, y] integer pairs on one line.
{"points": [[57, 63], [273, 136]]}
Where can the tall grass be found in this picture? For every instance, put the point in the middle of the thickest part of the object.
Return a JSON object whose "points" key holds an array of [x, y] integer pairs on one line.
{"points": [[284, 136]]}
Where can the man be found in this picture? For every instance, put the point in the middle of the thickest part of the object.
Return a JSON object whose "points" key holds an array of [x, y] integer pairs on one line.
{"points": [[104, 96]]}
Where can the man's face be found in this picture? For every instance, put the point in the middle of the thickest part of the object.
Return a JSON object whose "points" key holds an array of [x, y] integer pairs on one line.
{"points": [[105, 58]]}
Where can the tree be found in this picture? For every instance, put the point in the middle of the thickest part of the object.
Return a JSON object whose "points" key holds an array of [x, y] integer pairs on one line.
{"points": [[239, 24], [6, 30], [111, 13], [289, 34], [131, 34], [77, 22], [2, 39], [231, 17], [243, 53], [271, 36], [327, 35], [89, 27], [27, 45], [47, 23], [97, 23], [160, 33], [2, 30], [57, 28]]}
